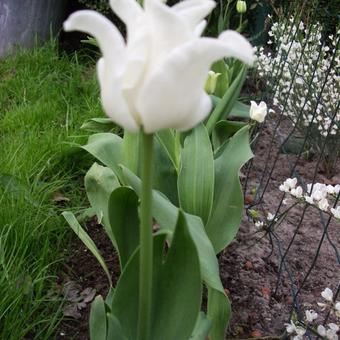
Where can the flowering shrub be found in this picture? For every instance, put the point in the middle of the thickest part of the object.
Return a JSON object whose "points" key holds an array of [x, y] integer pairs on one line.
{"points": [[318, 194], [297, 329], [297, 75]]}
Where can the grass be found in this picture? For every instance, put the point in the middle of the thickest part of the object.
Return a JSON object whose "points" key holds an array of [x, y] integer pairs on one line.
{"points": [[44, 98]]}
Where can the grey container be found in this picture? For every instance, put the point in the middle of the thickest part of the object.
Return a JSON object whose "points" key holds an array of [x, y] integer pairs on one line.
{"points": [[25, 22]]}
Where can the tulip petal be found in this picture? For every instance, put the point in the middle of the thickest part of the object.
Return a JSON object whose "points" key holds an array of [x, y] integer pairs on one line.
{"points": [[199, 29], [113, 102], [107, 35], [167, 28], [194, 10], [126, 10], [178, 82]]}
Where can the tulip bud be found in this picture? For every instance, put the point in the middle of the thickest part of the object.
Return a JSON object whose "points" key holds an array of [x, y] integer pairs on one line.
{"points": [[258, 112], [210, 85], [241, 6]]}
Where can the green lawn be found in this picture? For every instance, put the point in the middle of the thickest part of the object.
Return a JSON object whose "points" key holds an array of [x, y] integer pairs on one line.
{"points": [[44, 98]]}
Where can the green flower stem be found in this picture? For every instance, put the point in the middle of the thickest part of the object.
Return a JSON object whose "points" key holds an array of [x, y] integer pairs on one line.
{"points": [[146, 245]]}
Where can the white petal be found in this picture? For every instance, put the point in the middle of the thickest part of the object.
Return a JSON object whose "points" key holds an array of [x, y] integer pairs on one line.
{"points": [[194, 11], [107, 35], [199, 29], [112, 99], [238, 46], [167, 29], [126, 10], [172, 92]]}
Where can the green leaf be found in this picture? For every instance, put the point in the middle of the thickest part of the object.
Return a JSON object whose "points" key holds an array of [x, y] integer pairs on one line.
{"points": [[228, 202], [219, 310], [124, 221], [86, 239], [196, 177], [100, 181], [131, 145], [223, 109], [176, 289], [166, 215], [202, 328], [99, 125], [108, 149], [114, 329], [223, 130], [240, 110], [167, 140], [164, 173], [98, 326]]}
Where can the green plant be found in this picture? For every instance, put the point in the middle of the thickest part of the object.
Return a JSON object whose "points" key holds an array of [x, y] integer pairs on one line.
{"points": [[163, 271]]}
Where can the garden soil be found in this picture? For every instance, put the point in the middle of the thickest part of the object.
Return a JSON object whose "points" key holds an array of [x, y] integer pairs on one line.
{"points": [[261, 298]]}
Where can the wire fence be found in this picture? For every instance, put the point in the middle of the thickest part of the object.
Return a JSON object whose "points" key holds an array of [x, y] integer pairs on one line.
{"points": [[303, 238]]}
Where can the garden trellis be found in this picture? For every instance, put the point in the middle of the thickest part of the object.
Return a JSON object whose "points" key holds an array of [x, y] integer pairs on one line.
{"points": [[285, 156]]}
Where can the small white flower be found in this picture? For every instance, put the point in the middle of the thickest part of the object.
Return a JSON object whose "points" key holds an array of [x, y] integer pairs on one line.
{"points": [[337, 306], [309, 199], [290, 327], [297, 192], [321, 330], [323, 204], [330, 189], [336, 212], [270, 217], [327, 294], [333, 327], [311, 315], [259, 224], [258, 112]]}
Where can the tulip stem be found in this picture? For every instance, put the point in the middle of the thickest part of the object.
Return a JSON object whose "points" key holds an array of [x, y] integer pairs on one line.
{"points": [[146, 243]]}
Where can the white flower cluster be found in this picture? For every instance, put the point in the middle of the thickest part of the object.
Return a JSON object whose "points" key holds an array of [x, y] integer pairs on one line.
{"points": [[318, 194], [297, 331], [296, 50]]}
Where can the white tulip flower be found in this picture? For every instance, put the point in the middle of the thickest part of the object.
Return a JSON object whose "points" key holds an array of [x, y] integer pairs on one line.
{"points": [[258, 112], [156, 78]]}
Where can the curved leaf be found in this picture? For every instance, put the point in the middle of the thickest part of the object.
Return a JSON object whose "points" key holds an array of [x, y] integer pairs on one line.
{"points": [[196, 177], [100, 181], [228, 203], [108, 149], [176, 289], [98, 326], [124, 222], [86, 239]]}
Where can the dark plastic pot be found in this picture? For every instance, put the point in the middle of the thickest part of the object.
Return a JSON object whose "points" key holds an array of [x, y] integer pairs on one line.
{"points": [[25, 22]]}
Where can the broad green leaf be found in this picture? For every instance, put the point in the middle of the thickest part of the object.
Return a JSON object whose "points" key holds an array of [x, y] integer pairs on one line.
{"points": [[167, 140], [108, 149], [202, 328], [224, 107], [196, 177], [99, 125], [166, 215], [240, 110], [164, 173], [176, 289], [98, 326], [124, 221], [223, 130], [114, 329], [100, 181], [219, 310], [131, 145], [228, 202], [86, 239]]}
